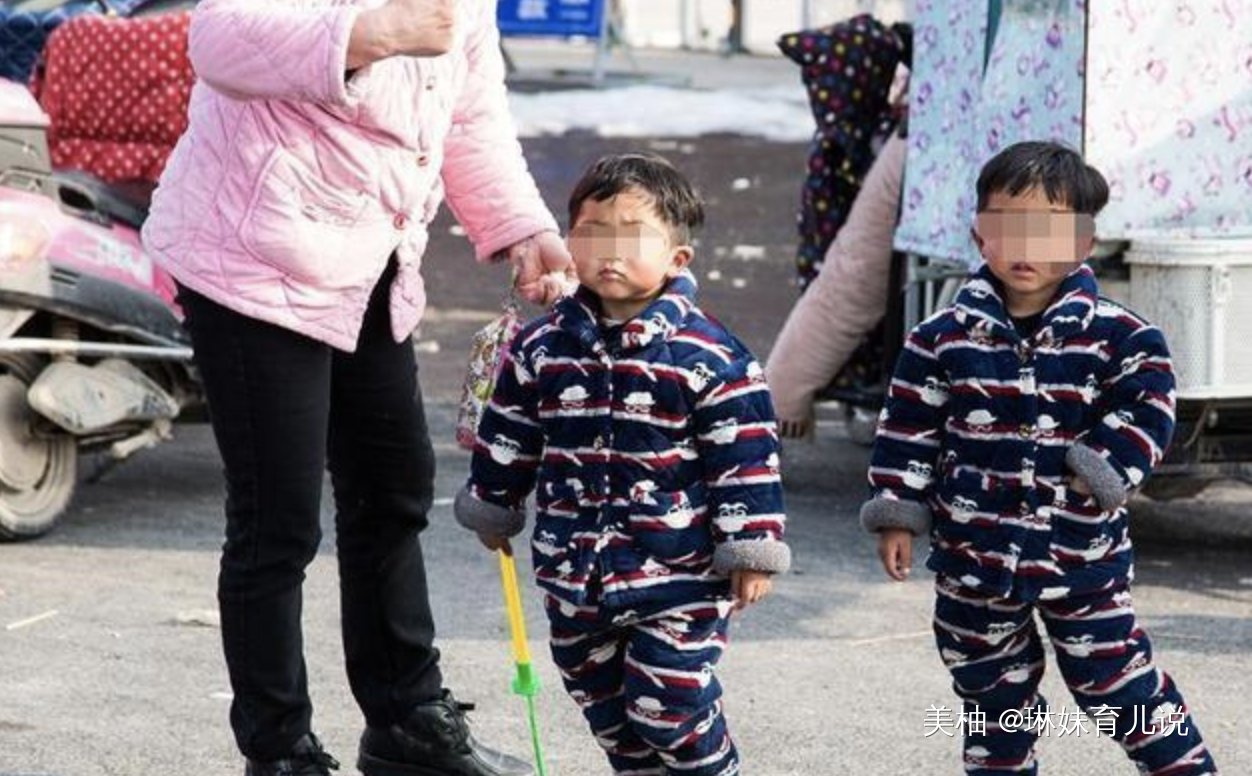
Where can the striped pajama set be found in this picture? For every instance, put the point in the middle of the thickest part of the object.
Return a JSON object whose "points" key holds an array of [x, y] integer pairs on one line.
{"points": [[652, 451], [981, 438]]}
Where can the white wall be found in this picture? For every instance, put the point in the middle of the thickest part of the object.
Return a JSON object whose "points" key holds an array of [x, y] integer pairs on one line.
{"points": [[705, 23]]}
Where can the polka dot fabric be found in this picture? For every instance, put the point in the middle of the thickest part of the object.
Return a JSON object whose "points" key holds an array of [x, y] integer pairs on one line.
{"points": [[116, 91], [847, 69]]}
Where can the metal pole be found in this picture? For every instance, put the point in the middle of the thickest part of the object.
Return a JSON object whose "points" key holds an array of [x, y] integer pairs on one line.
{"points": [[734, 39], [684, 8], [57, 347], [806, 14], [602, 45]]}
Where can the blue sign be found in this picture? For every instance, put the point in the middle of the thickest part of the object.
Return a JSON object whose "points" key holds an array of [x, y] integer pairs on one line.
{"points": [[563, 18]]}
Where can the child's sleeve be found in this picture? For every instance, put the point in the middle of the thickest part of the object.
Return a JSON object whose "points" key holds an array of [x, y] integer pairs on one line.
{"points": [[903, 465], [1137, 400], [507, 453], [737, 439]]}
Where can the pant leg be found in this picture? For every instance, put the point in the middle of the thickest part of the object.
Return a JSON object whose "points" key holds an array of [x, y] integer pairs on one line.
{"points": [[993, 651], [673, 698], [382, 467], [589, 651], [268, 392], [1106, 659]]}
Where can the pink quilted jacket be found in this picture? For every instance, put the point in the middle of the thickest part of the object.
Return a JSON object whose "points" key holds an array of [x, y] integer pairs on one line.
{"points": [[292, 186]]}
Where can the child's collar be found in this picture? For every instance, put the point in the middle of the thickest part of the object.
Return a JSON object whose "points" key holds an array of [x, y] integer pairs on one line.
{"points": [[580, 314], [980, 305]]}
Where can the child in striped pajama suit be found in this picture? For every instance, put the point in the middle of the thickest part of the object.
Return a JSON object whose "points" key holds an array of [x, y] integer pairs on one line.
{"points": [[1016, 424], [646, 431]]}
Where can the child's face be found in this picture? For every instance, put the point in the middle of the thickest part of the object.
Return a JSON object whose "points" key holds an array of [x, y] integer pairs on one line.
{"points": [[1030, 242], [623, 252]]}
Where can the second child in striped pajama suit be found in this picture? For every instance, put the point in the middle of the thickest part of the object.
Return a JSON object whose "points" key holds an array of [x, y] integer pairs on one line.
{"points": [[646, 431], [1015, 426]]}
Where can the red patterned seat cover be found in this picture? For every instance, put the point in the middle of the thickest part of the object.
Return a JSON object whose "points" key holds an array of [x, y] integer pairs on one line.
{"points": [[116, 91]]}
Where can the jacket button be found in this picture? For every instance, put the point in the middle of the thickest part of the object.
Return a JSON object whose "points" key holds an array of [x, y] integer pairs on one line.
{"points": [[401, 221], [430, 84], [423, 160]]}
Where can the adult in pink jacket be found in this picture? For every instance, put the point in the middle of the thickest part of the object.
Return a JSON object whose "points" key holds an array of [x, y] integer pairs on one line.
{"points": [[324, 134]]}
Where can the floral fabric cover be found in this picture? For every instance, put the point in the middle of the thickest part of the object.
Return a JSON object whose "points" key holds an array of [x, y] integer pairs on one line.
{"points": [[967, 103]]}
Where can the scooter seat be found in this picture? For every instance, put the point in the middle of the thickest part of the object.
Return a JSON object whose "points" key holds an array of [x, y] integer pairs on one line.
{"points": [[126, 202], [116, 93]]}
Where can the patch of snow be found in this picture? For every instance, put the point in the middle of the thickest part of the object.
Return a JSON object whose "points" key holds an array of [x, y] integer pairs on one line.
{"points": [[779, 114]]}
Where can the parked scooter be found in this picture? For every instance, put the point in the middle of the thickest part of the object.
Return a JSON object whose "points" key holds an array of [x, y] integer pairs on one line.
{"points": [[93, 357]]}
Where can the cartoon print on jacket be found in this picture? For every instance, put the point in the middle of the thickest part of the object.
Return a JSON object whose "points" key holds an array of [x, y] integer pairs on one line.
{"points": [[989, 460], [652, 445]]}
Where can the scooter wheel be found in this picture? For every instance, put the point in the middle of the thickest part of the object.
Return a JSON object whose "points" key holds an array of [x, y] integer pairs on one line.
{"points": [[37, 471]]}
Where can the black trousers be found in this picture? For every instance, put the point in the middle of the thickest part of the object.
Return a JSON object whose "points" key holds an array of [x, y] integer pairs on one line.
{"points": [[283, 408]]}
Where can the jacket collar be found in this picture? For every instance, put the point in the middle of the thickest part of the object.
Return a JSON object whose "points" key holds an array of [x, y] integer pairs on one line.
{"points": [[580, 315], [980, 306]]}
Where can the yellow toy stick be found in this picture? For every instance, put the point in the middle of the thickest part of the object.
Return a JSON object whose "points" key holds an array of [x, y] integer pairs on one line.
{"points": [[526, 683]]}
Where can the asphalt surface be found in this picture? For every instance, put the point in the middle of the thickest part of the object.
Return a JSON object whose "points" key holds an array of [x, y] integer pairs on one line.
{"points": [[109, 651]]}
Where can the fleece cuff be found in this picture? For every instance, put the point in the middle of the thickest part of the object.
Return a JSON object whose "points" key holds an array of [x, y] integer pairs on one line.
{"points": [[1106, 484], [768, 555], [485, 518], [881, 513]]}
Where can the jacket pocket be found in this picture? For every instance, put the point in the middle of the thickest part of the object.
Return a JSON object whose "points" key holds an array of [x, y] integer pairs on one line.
{"points": [[672, 527], [312, 231], [553, 547]]}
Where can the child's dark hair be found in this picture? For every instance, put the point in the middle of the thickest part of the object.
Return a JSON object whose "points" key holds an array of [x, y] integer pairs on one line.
{"points": [[675, 200], [1060, 171]]}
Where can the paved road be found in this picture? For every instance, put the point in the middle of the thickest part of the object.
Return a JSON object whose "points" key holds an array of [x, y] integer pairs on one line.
{"points": [[111, 664]]}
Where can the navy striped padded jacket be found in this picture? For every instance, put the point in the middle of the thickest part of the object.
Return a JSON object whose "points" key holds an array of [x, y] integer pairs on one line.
{"points": [[651, 448], [982, 434]]}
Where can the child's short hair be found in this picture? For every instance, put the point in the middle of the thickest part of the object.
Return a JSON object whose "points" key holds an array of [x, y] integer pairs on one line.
{"points": [[1060, 171], [675, 199]]}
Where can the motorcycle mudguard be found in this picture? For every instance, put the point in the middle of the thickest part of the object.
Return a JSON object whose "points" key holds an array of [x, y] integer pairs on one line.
{"points": [[86, 399]]}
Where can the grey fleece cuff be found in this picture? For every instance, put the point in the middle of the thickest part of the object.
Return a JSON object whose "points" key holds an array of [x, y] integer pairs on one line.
{"points": [[880, 513], [484, 518], [768, 555], [1106, 484]]}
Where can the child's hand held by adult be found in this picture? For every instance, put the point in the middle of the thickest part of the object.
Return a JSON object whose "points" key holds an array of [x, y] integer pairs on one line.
{"points": [[895, 549], [544, 267]]}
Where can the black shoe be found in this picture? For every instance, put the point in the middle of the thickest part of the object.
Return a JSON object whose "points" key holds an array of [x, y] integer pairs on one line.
{"points": [[433, 741], [307, 758]]}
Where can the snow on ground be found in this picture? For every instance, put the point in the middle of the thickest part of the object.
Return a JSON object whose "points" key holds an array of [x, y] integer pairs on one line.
{"points": [[779, 114]]}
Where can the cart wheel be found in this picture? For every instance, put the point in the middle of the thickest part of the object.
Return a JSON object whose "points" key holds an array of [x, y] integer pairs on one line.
{"points": [[37, 473], [1174, 486]]}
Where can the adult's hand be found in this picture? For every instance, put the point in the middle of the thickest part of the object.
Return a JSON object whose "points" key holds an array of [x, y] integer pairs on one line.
{"points": [[545, 270], [408, 28]]}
